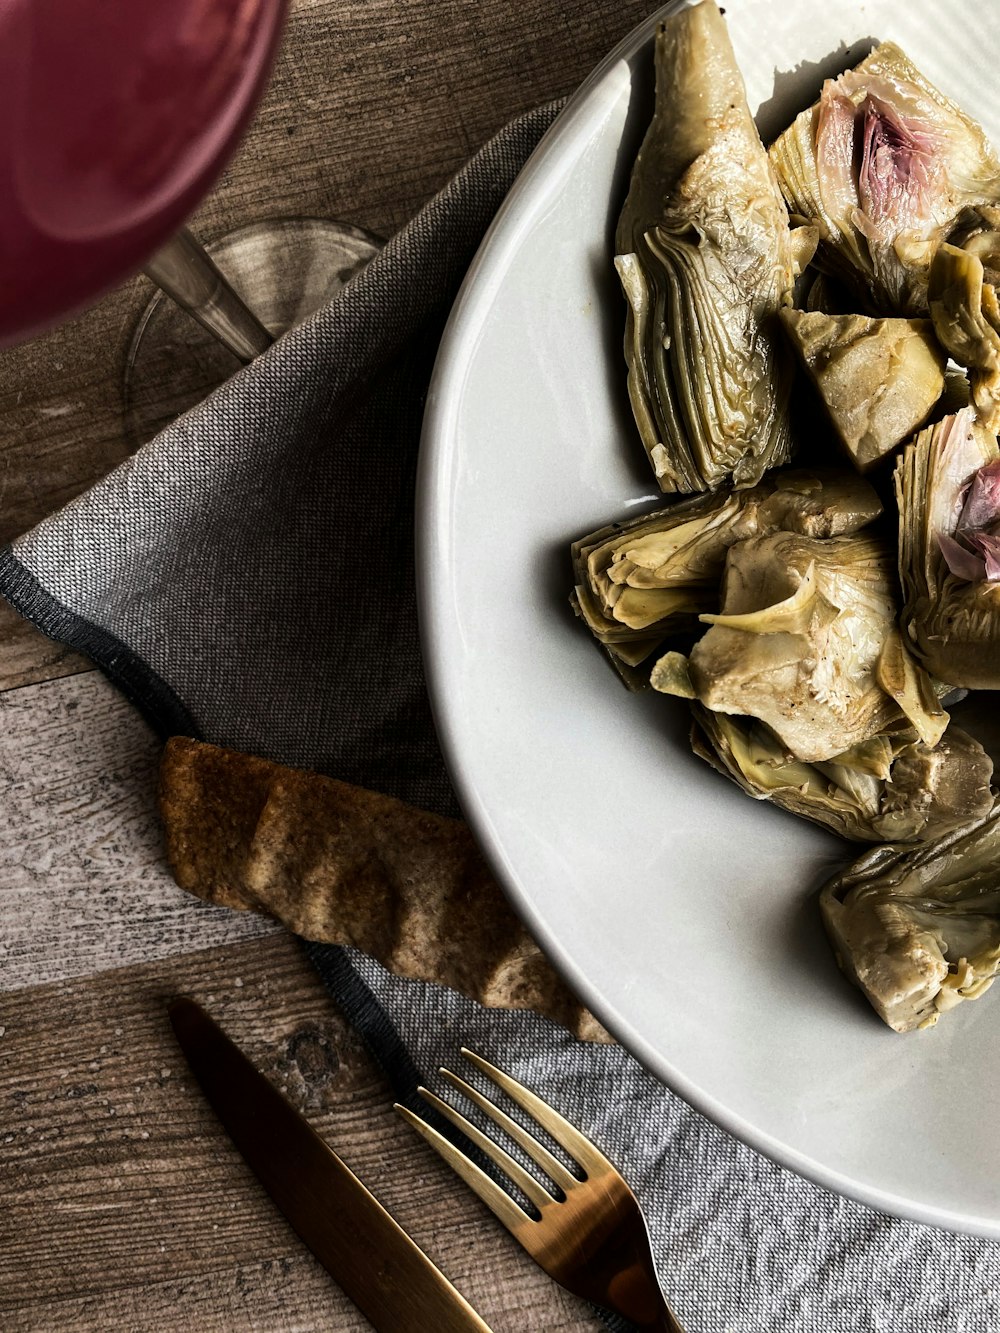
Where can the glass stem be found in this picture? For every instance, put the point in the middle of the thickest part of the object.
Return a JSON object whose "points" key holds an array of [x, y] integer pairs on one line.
{"points": [[186, 272]]}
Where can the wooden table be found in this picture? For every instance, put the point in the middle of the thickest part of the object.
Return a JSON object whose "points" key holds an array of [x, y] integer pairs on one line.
{"points": [[124, 1206]]}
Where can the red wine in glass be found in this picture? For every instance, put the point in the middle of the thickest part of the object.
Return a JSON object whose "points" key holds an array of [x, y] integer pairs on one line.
{"points": [[116, 116]]}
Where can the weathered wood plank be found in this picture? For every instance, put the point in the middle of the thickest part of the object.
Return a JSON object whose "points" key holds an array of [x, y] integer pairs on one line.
{"points": [[26, 656], [125, 1204], [371, 108], [83, 882], [128, 1209]]}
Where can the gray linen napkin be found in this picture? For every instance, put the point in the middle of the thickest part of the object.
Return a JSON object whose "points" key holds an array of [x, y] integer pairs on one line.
{"points": [[247, 577]]}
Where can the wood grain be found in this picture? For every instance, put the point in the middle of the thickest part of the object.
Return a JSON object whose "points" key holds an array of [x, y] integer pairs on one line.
{"points": [[125, 1204], [371, 108], [125, 1207], [83, 881]]}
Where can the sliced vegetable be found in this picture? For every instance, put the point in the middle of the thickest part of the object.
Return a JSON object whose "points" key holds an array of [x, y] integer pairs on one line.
{"points": [[891, 787], [918, 929], [878, 378], [706, 260], [803, 627], [638, 581], [885, 166], [946, 488], [967, 322]]}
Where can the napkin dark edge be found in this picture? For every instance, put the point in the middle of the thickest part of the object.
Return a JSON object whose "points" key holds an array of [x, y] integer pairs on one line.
{"points": [[154, 698]]}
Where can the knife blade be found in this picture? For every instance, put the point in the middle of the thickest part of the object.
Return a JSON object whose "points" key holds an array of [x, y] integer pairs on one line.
{"points": [[374, 1261]]}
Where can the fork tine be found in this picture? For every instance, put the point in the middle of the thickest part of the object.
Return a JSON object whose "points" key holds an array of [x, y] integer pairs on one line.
{"points": [[496, 1199], [540, 1155], [528, 1185], [588, 1157]]}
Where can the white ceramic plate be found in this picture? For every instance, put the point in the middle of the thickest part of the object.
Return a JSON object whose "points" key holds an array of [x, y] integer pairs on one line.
{"points": [[683, 912]]}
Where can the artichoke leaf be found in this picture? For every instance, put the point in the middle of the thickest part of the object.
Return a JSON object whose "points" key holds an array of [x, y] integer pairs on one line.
{"points": [[951, 624], [638, 581], [967, 322], [912, 793], [802, 627], [905, 680], [671, 675], [706, 260], [805, 242], [886, 167], [878, 378], [794, 615], [918, 928], [871, 758], [977, 230]]}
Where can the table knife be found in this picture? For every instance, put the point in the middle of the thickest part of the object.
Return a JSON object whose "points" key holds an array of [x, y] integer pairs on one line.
{"points": [[374, 1261]]}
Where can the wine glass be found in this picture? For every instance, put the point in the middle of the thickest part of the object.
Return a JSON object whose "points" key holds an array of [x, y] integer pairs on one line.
{"points": [[116, 117], [228, 302]]}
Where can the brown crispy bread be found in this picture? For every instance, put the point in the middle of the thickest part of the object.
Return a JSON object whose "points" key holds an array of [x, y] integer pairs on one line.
{"points": [[344, 865]]}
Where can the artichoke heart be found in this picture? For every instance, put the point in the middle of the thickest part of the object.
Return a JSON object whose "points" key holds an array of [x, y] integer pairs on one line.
{"points": [[884, 165], [949, 507], [706, 259], [638, 581], [918, 928], [804, 625], [878, 378], [892, 787]]}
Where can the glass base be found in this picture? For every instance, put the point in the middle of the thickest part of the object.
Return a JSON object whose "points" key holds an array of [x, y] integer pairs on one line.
{"points": [[284, 270]]}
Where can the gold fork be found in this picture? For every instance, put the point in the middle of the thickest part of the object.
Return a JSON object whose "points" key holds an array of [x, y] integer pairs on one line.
{"points": [[589, 1234]]}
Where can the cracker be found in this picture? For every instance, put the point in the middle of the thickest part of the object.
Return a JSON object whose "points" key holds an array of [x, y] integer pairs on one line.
{"points": [[211, 801], [343, 865]]}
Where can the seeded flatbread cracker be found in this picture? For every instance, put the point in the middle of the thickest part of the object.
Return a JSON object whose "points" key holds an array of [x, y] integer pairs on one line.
{"points": [[343, 865]]}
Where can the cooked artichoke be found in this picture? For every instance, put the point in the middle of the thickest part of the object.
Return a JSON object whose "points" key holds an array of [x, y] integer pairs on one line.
{"points": [[918, 928], [893, 787], [706, 259], [640, 580], [884, 165], [797, 645], [878, 378], [977, 231], [966, 319], [947, 551]]}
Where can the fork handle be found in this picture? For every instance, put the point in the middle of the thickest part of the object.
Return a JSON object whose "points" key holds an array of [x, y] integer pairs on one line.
{"points": [[665, 1322], [643, 1305], [669, 1323], [635, 1293]]}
